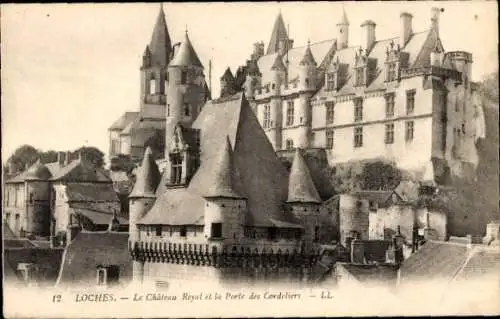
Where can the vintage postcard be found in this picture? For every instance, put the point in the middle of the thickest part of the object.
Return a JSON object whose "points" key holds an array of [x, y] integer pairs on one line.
{"points": [[250, 159]]}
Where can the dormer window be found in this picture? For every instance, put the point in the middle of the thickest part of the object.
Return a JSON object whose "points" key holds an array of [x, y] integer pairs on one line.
{"points": [[392, 74], [152, 86], [176, 169], [330, 81], [360, 76]]}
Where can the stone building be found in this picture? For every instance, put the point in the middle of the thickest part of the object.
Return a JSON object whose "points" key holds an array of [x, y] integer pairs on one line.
{"points": [[403, 99], [225, 206], [173, 88], [58, 199]]}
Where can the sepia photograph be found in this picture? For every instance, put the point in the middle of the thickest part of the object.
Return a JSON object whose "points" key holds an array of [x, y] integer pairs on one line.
{"points": [[239, 159]]}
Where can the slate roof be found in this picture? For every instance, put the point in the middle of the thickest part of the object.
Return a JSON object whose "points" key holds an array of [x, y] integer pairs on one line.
{"points": [[124, 120], [278, 33], [264, 180], [301, 186], [483, 262], [97, 217], [380, 273], [80, 170], [91, 249], [375, 250], [186, 55], [308, 58], [37, 171], [147, 177], [160, 45], [91, 192], [379, 197]]}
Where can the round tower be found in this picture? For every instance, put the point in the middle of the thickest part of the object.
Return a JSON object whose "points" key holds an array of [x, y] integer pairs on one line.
{"points": [[253, 79], [224, 204], [307, 85], [278, 77], [37, 188], [186, 88]]}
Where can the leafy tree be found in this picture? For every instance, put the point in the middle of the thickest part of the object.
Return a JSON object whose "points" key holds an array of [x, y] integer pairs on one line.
{"points": [[380, 176], [157, 143], [48, 157], [488, 87], [91, 154], [123, 163], [25, 155]]}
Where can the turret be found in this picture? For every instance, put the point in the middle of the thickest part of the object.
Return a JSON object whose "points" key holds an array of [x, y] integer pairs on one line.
{"points": [[307, 65], [225, 202], [253, 79], [279, 42], [303, 198], [343, 31], [142, 197], [37, 188], [405, 28], [227, 84], [186, 92]]}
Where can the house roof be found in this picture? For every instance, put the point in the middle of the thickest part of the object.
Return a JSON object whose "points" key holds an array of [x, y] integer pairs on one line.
{"points": [[186, 55], [300, 185], [279, 33], [160, 45], [89, 250], [37, 171], [91, 192], [379, 197], [228, 76], [80, 170], [376, 273], [482, 263], [124, 120], [147, 177], [97, 217], [264, 180], [374, 250]]}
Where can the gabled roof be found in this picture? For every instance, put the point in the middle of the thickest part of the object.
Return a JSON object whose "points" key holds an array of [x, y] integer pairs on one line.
{"points": [[379, 197], [91, 192], [148, 177], [123, 121], [90, 250], [96, 215], [228, 75], [186, 55], [160, 45], [279, 33], [37, 171], [300, 184], [81, 171], [264, 179]]}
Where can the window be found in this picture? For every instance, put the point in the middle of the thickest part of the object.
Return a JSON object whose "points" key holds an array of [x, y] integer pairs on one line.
{"points": [[158, 230], [152, 86], [410, 102], [187, 109], [216, 230], [391, 72], [389, 133], [183, 77], [389, 105], [267, 116], [166, 79], [410, 127], [31, 196], [330, 112], [359, 76], [108, 275], [168, 109], [372, 205], [289, 113], [101, 276], [289, 144], [272, 233], [330, 81], [329, 139], [358, 110], [176, 172], [7, 217], [183, 231], [358, 137], [316, 234]]}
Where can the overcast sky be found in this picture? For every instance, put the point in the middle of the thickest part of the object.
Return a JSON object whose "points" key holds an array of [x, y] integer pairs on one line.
{"points": [[69, 71]]}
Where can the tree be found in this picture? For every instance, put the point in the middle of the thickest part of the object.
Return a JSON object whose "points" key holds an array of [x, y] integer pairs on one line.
{"points": [[488, 87], [25, 155], [157, 143], [91, 154], [380, 176], [123, 163]]}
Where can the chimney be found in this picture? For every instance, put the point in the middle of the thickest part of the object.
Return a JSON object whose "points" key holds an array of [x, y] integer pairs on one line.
{"points": [[258, 50], [435, 18], [66, 158], [368, 34], [406, 29], [59, 158]]}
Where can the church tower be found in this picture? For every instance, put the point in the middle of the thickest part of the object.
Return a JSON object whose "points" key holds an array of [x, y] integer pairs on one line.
{"points": [[154, 70], [186, 92], [343, 31]]}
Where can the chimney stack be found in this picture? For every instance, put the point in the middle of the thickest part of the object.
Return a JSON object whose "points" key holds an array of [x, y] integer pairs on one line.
{"points": [[368, 34], [59, 158], [406, 28], [435, 18], [66, 158]]}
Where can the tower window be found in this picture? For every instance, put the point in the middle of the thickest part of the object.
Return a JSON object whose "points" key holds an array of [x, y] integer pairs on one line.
{"points": [[389, 133], [183, 77], [329, 139], [176, 171], [389, 105], [187, 109], [358, 110], [183, 231], [216, 230], [152, 86], [289, 144], [410, 102], [330, 112], [267, 117], [289, 113], [358, 137], [410, 127]]}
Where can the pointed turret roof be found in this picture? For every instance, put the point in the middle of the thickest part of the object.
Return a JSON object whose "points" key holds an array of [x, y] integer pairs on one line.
{"points": [[223, 175], [343, 19], [308, 58], [278, 63], [228, 75], [279, 33], [186, 56], [148, 177], [160, 45], [300, 185]]}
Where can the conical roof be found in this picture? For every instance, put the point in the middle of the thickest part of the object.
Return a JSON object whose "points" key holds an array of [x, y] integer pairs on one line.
{"points": [[186, 56], [300, 185], [38, 171], [227, 76], [223, 175], [278, 63], [148, 177], [308, 58], [279, 33], [160, 45], [343, 18]]}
